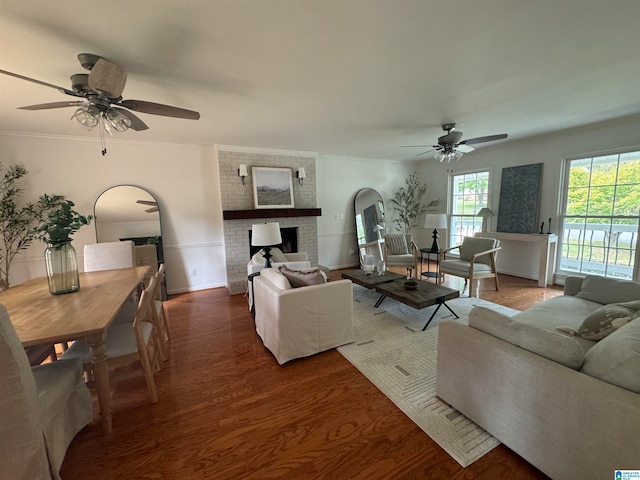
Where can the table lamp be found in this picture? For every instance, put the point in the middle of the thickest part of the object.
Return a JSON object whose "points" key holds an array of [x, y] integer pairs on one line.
{"points": [[435, 221], [485, 213], [266, 235]]}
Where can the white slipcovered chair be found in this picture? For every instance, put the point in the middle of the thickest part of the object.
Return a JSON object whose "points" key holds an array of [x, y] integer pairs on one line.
{"points": [[41, 409], [108, 256], [298, 322], [291, 260], [401, 251], [477, 260]]}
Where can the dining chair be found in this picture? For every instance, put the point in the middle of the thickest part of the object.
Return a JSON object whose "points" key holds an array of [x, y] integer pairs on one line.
{"points": [[108, 256], [160, 315], [126, 343], [477, 260], [41, 409]]}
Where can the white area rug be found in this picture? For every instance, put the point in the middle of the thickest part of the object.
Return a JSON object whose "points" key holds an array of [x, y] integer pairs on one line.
{"points": [[393, 352]]}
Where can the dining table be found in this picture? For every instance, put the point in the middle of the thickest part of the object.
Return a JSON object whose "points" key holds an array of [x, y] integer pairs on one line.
{"points": [[39, 317]]}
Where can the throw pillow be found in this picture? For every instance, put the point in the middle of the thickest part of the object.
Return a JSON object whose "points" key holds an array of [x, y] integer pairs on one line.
{"points": [[616, 359], [303, 278], [396, 244], [600, 323]]}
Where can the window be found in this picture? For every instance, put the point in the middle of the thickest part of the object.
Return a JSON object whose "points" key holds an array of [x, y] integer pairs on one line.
{"points": [[469, 193], [601, 215]]}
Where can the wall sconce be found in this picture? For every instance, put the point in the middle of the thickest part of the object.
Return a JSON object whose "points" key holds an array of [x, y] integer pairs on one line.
{"points": [[242, 172], [300, 175]]}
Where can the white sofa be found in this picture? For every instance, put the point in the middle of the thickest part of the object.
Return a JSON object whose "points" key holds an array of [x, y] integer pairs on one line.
{"points": [[541, 392], [291, 260], [298, 322]]}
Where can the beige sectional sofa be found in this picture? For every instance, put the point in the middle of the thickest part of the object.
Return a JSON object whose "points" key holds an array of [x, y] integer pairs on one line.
{"points": [[569, 406]]}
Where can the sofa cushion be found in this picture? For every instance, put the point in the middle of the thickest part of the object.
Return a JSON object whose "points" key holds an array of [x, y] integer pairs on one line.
{"points": [[275, 277], [616, 358], [303, 278], [608, 290], [553, 345], [599, 324]]}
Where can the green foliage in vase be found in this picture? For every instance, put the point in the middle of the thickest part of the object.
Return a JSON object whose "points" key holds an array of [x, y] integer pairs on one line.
{"points": [[407, 201], [62, 223], [18, 224]]}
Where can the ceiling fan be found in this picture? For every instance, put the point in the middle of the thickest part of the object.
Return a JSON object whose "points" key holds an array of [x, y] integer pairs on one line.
{"points": [[154, 205], [101, 92], [450, 147]]}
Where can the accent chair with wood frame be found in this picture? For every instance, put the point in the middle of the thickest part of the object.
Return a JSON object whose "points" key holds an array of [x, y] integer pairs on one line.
{"points": [[477, 260], [401, 251]]}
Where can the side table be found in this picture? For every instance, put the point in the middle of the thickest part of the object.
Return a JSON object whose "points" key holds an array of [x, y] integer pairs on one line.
{"points": [[429, 274]]}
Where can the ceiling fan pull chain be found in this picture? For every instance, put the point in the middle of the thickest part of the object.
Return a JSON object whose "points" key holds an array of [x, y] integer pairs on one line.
{"points": [[102, 142]]}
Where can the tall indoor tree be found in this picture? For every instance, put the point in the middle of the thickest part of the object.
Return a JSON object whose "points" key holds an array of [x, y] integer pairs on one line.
{"points": [[19, 225], [407, 201]]}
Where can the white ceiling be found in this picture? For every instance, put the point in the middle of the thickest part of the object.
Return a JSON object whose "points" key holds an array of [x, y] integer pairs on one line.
{"points": [[342, 77]]}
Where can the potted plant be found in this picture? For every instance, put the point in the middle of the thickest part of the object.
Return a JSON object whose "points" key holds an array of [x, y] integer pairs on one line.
{"points": [[407, 201], [60, 256], [19, 221]]}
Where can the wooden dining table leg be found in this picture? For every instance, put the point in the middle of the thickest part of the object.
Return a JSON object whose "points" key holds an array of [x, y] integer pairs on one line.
{"points": [[101, 378]]}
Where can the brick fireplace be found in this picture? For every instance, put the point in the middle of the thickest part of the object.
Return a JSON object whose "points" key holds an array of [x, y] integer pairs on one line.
{"points": [[236, 196]]}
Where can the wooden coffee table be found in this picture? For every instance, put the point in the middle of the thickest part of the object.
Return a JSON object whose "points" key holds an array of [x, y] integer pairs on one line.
{"points": [[371, 281], [425, 295]]}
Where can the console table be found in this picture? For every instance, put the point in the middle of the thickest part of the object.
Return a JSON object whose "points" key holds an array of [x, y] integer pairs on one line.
{"points": [[548, 250]]}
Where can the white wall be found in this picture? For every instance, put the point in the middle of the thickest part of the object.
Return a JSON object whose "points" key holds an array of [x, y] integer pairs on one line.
{"points": [[517, 257], [339, 179], [183, 178]]}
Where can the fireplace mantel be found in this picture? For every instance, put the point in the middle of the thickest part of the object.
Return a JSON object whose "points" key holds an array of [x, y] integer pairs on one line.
{"points": [[271, 213]]}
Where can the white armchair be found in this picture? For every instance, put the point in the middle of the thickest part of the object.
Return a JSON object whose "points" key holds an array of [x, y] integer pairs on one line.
{"points": [[296, 261], [298, 322]]}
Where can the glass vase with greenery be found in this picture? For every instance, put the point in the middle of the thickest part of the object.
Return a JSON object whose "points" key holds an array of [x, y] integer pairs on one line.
{"points": [[60, 256]]}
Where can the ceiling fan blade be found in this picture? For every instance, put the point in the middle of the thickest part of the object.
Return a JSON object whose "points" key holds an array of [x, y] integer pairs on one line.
{"points": [[490, 138], [152, 210], [136, 123], [159, 109], [40, 82], [411, 146], [107, 77], [428, 151], [147, 202], [464, 148], [44, 106]]}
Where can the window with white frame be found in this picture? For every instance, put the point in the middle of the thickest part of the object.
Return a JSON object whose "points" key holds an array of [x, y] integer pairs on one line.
{"points": [[601, 215], [469, 192]]}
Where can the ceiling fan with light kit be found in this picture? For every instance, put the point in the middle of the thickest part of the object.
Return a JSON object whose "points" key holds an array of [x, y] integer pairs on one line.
{"points": [[102, 104], [450, 148]]}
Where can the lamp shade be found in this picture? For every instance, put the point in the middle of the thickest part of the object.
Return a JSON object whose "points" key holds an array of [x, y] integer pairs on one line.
{"points": [[265, 234], [435, 220], [242, 170], [485, 212]]}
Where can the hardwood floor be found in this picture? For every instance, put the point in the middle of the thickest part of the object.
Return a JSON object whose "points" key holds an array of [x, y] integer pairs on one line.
{"points": [[227, 410]]}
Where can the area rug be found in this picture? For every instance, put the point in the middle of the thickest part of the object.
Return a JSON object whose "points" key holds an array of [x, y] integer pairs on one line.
{"points": [[393, 352]]}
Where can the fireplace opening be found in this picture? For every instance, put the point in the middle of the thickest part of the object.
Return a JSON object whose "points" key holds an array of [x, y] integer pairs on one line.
{"points": [[289, 241]]}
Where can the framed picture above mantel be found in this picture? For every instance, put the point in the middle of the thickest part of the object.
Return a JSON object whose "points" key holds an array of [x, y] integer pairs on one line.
{"points": [[272, 187]]}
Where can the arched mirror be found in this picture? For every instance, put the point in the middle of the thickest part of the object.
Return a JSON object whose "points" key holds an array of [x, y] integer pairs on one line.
{"points": [[370, 223], [127, 212]]}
